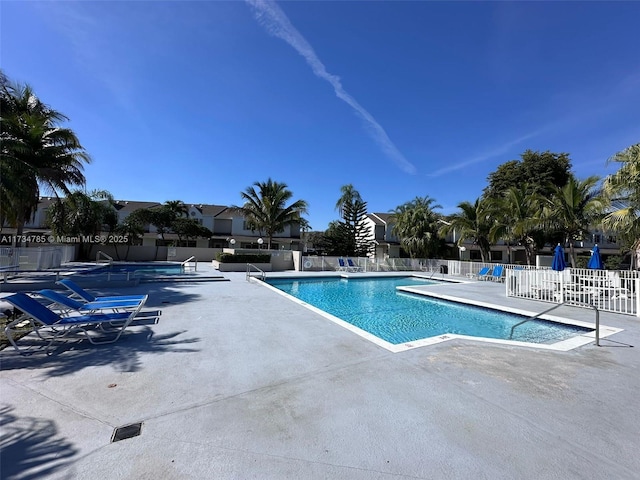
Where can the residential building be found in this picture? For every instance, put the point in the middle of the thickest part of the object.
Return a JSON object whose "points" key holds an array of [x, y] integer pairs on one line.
{"points": [[229, 229], [387, 245], [228, 226]]}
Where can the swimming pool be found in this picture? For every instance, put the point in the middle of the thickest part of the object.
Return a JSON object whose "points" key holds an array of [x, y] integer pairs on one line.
{"points": [[141, 269], [375, 306]]}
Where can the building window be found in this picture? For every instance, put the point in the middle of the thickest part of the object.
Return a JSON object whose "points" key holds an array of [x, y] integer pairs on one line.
{"points": [[185, 243], [475, 255], [247, 226], [612, 239], [496, 256]]}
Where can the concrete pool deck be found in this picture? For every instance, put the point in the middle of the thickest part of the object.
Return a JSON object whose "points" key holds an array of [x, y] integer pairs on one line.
{"points": [[236, 381]]}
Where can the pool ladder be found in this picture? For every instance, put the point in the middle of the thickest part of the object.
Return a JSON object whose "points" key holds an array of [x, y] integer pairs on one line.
{"points": [[193, 259], [434, 272], [582, 304], [101, 253], [263, 275]]}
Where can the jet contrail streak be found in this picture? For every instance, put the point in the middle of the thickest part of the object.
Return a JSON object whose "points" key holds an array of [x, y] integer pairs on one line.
{"points": [[276, 23]]}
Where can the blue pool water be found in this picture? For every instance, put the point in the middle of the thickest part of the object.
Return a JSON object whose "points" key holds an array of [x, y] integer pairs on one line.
{"points": [[375, 306], [142, 268]]}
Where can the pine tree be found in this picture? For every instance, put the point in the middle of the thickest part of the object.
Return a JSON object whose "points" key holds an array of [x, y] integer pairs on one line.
{"points": [[349, 237]]}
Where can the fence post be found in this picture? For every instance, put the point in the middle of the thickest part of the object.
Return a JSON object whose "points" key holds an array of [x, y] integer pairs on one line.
{"points": [[507, 282], [637, 297]]}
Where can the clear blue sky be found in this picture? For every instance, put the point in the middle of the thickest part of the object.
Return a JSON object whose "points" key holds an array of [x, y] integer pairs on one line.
{"points": [[195, 101]]}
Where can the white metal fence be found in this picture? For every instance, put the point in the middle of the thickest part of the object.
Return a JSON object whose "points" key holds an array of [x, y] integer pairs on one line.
{"points": [[40, 258], [452, 267], [366, 264], [471, 269], [616, 291]]}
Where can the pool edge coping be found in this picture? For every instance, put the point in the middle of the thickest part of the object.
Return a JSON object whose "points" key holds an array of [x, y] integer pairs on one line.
{"points": [[560, 346]]}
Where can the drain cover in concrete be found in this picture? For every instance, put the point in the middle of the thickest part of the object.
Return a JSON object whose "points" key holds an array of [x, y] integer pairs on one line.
{"points": [[127, 431]]}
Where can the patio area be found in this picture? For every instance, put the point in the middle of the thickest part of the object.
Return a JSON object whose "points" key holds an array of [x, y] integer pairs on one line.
{"points": [[236, 382]]}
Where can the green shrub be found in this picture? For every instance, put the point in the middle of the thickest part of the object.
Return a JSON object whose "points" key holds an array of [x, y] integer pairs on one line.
{"points": [[612, 262], [243, 258], [581, 261]]}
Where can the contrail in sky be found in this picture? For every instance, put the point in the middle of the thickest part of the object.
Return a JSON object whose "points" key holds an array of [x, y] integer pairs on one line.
{"points": [[276, 23], [481, 158]]}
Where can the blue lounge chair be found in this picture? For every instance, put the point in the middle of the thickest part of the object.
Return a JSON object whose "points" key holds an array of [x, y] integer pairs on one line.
{"points": [[87, 297], [42, 319], [352, 267], [484, 273], [498, 273], [342, 267], [68, 304]]}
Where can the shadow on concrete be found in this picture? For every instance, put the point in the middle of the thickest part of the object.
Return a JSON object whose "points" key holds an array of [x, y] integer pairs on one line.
{"points": [[75, 355], [159, 293], [30, 447], [606, 342]]}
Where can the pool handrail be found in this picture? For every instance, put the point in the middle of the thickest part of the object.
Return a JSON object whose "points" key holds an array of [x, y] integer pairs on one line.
{"points": [[263, 275], [101, 253], [193, 259], [572, 302]]}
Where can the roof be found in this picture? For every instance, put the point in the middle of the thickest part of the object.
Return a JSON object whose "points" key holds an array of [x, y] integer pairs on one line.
{"points": [[211, 210], [228, 212], [384, 217], [45, 202], [120, 205], [132, 205], [375, 219]]}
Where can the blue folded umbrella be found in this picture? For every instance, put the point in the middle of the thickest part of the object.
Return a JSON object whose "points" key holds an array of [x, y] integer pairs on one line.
{"points": [[595, 262], [558, 263]]}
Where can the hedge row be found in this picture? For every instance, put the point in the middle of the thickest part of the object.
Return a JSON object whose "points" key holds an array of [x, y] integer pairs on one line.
{"points": [[243, 258]]}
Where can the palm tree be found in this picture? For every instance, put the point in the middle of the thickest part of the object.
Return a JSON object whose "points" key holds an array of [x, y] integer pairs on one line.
{"points": [[472, 222], [161, 216], [265, 208], [131, 228], [348, 197], [351, 238], [416, 224], [573, 209], [305, 229], [82, 214], [35, 153], [189, 228], [305, 226], [177, 208], [517, 217], [622, 189]]}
